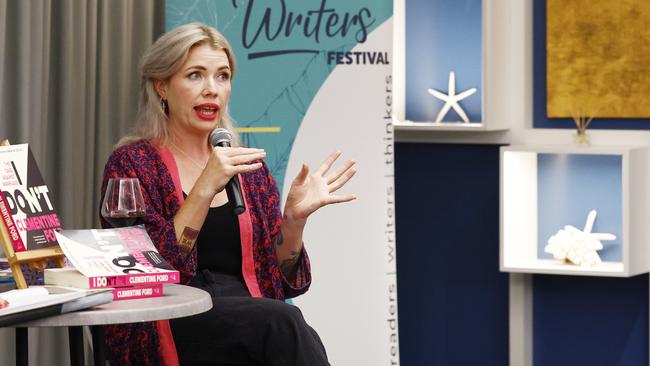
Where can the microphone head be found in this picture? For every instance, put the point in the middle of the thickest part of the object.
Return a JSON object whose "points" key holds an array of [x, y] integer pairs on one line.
{"points": [[220, 137]]}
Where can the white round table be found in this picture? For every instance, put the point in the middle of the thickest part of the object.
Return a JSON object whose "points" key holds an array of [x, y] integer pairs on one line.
{"points": [[177, 301]]}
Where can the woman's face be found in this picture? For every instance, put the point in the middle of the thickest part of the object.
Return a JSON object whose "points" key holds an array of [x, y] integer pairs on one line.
{"points": [[198, 93]]}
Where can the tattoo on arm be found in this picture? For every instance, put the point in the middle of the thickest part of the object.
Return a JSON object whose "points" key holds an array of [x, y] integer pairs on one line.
{"points": [[187, 240], [289, 265]]}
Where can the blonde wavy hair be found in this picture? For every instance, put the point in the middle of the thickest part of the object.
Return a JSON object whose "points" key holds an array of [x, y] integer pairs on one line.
{"points": [[160, 62]]}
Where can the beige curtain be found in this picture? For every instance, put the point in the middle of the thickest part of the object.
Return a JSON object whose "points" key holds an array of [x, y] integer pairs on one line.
{"points": [[68, 86]]}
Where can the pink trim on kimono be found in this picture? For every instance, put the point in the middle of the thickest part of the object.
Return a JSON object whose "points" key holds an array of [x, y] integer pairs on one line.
{"points": [[170, 162], [248, 263]]}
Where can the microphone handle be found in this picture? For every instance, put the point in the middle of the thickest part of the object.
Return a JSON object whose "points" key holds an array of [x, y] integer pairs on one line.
{"points": [[233, 190]]}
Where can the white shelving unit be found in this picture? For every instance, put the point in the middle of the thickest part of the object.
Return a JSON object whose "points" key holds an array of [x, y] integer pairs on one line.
{"points": [[492, 76], [521, 201]]}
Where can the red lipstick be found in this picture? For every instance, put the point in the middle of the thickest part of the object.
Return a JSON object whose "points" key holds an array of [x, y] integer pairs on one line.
{"points": [[207, 111]]}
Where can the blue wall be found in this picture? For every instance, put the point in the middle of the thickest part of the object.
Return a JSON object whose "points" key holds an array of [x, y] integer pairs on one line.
{"points": [[591, 321], [453, 301]]}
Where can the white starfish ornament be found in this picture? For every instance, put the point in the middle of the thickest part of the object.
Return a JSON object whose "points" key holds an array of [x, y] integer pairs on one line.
{"points": [[578, 247], [451, 99]]}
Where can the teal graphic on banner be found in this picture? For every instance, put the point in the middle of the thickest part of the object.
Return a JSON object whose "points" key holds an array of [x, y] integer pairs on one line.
{"points": [[285, 50]]}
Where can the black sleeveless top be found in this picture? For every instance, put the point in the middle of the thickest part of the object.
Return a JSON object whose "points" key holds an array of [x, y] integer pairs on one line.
{"points": [[219, 242]]}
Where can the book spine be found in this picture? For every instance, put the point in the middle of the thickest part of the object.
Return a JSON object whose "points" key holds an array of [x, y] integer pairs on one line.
{"points": [[10, 225], [137, 292], [133, 279]]}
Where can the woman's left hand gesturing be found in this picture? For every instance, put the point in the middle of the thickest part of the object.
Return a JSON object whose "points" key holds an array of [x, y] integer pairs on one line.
{"points": [[309, 192]]}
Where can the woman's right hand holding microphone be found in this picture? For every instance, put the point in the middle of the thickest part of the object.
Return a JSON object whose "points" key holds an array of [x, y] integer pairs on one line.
{"points": [[223, 164]]}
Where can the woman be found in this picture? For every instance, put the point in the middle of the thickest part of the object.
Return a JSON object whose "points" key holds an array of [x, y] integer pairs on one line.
{"points": [[249, 263]]}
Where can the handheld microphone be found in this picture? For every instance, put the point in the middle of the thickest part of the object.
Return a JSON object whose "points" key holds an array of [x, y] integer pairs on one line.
{"points": [[222, 137]]}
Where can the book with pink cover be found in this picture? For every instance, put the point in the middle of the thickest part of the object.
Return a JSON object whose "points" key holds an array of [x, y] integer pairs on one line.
{"points": [[137, 292], [26, 207], [118, 293], [115, 257]]}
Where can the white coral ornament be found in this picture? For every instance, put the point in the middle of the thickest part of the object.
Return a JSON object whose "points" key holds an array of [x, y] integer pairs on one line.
{"points": [[578, 247]]}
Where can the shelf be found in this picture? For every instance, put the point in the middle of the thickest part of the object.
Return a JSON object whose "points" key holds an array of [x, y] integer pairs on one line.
{"points": [[425, 55], [544, 188], [443, 126], [552, 266]]}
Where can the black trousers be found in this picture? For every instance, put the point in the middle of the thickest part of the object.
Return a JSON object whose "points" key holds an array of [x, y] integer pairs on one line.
{"points": [[242, 330]]}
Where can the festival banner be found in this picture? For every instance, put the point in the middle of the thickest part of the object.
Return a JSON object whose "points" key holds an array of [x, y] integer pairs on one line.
{"points": [[315, 76]]}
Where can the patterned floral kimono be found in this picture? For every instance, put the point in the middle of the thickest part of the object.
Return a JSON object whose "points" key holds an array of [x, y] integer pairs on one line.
{"points": [[151, 343]]}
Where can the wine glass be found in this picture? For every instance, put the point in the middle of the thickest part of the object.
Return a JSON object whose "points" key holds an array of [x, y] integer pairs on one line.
{"points": [[123, 203]]}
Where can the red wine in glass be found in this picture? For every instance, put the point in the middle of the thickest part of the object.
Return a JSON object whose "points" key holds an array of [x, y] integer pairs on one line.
{"points": [[123, 203], [121, 221]]}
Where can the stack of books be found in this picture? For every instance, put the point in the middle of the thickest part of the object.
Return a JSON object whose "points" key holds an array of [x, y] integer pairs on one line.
{"points": [[123, 259], [28, 223], [5, 272]]}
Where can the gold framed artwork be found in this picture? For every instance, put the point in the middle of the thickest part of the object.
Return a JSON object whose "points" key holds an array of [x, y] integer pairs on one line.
{"points": [[598, 58]]}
